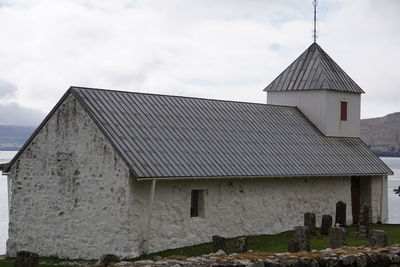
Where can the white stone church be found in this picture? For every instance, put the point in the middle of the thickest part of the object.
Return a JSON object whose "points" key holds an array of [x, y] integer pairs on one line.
{"points": [[132, 173]]}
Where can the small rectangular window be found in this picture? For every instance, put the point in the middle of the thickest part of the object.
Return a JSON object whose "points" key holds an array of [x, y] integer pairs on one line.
{"points": [[343, 111], [197, 203]]}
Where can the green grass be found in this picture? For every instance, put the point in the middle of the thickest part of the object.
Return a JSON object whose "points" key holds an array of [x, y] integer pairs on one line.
{"points": [[266, 243], [47, 262], [6, 263], [279, 243]]}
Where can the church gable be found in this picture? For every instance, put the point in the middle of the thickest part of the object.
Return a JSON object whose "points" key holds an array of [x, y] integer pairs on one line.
{"points": [[64, 183], [67, 138]]}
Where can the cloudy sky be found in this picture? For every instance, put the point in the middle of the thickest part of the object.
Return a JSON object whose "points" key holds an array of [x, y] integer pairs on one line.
{"points": [[223, 49]]}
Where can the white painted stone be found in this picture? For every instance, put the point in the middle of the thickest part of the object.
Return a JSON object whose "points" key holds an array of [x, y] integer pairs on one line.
{"points": [[238, 207], [220, 253], [379, 193], [69, 192]]}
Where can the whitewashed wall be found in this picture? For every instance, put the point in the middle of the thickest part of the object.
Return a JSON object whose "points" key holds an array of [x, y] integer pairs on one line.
{"points": [[70, 192], [322, 107], [373, 190], [336, 127], [379, 192], [235, 207], [311, 103]]}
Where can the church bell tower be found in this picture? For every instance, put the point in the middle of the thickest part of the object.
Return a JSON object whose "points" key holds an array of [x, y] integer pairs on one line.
{"points": [[322, 91]]}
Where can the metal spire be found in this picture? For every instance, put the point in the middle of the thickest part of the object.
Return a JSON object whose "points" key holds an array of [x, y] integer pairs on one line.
{"points": [[315, 3]]}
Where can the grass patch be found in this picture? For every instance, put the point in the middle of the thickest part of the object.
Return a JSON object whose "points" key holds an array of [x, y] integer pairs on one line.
{"points": [[265, 243], [279, 242], [6, 263], [49, 262]]}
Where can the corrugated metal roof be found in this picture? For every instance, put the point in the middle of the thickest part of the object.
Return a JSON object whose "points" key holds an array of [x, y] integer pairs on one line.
{"points": [[314, 70], [161, 136]]}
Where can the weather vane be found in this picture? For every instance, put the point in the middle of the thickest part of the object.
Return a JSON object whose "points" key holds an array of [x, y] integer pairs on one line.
{"points": [[315, 3]]}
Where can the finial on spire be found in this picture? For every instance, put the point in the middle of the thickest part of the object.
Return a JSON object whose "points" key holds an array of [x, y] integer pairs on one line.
{"points": [[315, 3]]}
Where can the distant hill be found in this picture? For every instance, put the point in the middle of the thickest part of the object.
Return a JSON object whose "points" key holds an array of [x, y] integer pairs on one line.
{"points": [[12, 137], [382, 135]]}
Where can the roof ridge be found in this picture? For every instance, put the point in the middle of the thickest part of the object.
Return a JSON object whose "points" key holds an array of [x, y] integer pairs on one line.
{"points": [[177, 96]]}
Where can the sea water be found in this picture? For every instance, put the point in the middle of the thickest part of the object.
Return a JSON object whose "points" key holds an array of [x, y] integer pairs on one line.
{"points": [[393, 182], [6, 156]]}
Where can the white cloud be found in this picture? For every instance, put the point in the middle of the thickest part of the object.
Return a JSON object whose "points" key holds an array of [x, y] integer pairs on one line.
{"points": [[215, 49], [15, 114], [7, 90]]}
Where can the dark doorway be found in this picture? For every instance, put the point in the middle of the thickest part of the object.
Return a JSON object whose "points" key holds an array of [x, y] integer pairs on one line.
{"points": [[355, 198]]}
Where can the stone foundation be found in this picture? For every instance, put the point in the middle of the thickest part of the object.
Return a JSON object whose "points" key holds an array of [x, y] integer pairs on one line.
{"points": [[345, 256]]}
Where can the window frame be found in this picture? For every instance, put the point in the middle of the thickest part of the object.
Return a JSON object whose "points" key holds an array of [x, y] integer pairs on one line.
{"points": [[197, 203], [343, 110]]}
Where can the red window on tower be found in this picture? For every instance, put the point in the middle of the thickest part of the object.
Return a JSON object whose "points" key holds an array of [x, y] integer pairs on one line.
{"points": [[343, 111]]}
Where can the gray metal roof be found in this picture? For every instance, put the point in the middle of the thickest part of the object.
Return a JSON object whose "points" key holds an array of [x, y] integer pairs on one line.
{"points": [[161, 136], [314, 70]]}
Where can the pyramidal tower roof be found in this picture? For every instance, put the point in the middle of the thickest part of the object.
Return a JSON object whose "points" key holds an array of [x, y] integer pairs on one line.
{"points": [[314, 70]]}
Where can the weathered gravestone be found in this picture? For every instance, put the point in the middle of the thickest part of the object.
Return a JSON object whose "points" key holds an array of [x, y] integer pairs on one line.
{"points": [[326, 224], [363, 221], [241, 245], [108, 259], [337, 237], [309, 221], [293, 246], [378, 238], [218, 243], [301, 236], [340, 213], [26, 259]]}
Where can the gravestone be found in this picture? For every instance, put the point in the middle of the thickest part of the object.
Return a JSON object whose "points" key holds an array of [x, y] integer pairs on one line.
{"points": [[363, 221], [309, 221], [301, 235], [26, 259], [340, 217], [293, 246], [326, 224], [337, 237], [378, 238], [108, 259], [241, 245], [218, 243]]}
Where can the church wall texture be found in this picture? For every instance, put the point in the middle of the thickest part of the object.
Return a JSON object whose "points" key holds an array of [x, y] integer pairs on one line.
{"points": [[70, 191], [379, 192], [235, 207]]}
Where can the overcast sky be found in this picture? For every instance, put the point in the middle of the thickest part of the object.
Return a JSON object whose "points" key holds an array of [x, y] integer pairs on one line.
{"points": [[223, 49]]}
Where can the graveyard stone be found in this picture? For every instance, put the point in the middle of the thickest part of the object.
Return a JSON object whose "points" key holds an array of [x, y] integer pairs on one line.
{"points": [[340, 217], [326, 224]]}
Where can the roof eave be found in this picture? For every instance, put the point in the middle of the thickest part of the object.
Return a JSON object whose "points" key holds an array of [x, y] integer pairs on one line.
{"points": [[314, 89], [100, 127], [259, 176]]}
